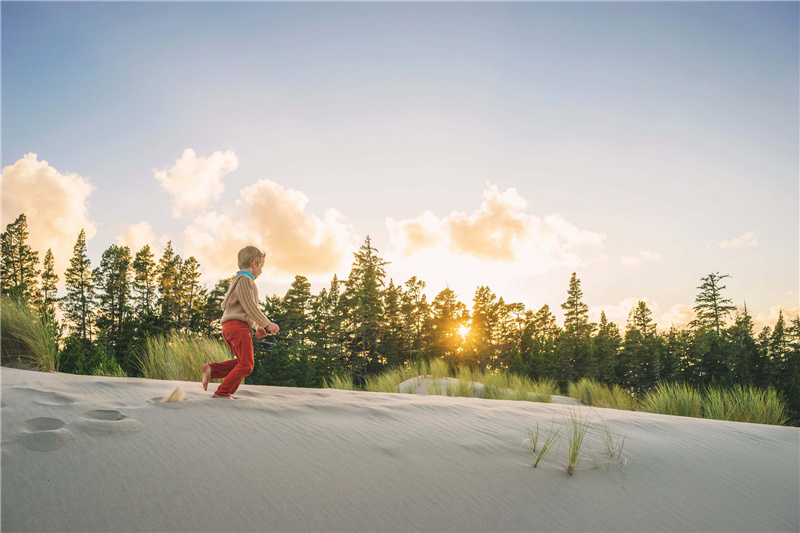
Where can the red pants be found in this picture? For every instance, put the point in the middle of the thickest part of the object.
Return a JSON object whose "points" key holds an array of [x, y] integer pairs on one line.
{"points": [[237, 335]]}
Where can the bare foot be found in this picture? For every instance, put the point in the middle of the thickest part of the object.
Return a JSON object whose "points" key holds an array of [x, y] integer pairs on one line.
{"points": [[206, 376]]}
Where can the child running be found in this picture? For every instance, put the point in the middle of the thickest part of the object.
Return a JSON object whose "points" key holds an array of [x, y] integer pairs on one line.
{"points": [[240, 312]]}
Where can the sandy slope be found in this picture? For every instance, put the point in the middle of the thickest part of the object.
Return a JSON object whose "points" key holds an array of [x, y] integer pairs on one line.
{"points": [[100, 454]]}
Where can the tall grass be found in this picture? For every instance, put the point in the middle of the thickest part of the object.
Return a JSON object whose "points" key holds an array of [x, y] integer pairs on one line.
{"points": [[745, 404], [27, 336], [344, 382], [673, 399], [180, 357], [600, 395], [387, 381], [577, 426]]}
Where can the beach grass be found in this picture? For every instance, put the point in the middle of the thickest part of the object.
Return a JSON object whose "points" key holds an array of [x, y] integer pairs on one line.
{"points": [[745, 404], [388, 381], [673, 399], [179, 357], [577, 427], [339, 381], [597, 394], [27, 336]]}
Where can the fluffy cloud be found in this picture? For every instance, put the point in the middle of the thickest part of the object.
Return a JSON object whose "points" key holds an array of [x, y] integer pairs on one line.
{"points": [[55, 205], [762, 320], [641, 257], [135, 236], [499, 231], [274, 219], [745, 241], [194, 182], [679, 315]]}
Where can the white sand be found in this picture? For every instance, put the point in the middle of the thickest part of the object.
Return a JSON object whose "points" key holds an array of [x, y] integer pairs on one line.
{"points": [[105, 454]]}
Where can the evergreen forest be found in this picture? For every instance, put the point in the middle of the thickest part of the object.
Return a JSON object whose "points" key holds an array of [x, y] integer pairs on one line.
{"points": [[360, 326]]}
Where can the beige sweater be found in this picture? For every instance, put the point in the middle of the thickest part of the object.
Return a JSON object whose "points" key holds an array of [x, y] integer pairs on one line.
{"points": [[241, 303]]}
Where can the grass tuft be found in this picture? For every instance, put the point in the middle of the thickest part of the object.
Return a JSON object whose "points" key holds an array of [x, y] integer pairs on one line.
{"points": [[28, 336], [577, 426], [180, 357], [673, 399]]}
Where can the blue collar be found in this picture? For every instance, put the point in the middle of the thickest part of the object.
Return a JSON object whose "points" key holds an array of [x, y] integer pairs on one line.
{"points": [[246, 273]]}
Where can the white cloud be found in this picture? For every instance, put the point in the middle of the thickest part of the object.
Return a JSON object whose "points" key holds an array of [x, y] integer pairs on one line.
{"points": [[54, 204], [745, 241], [679, 315], [762, 320], [499, 232], [194, 182], [641, 257], [274, 219], [136, 236]]}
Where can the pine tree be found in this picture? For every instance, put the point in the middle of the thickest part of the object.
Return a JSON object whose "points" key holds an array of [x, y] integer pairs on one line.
{"points": [[168, 274], [641, 349], [364, 303], [297, 303], [80, 300], [19, 262], [49, 282], [539, 344], [448, 314], [144, 281], [607, 344], [188, 292], [574, 346], [113, 285], [711, 308], [576, 313], [414, 310]]}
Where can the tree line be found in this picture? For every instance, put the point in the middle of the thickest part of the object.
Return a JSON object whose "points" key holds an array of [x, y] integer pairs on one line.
{"points": [[365, 323]]}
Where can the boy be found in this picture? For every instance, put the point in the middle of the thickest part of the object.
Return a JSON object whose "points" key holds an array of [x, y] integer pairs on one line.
{"points": [[239, 312]]}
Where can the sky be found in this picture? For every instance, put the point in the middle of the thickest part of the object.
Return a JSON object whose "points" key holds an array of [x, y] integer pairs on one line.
{"points": [[641, 145]]}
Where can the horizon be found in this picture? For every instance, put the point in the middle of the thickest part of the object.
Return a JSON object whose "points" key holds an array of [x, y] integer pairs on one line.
{"points": [[642, 146]]}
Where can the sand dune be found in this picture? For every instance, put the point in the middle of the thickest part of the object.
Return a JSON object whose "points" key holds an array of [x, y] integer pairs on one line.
{"points": [[106, 454]]}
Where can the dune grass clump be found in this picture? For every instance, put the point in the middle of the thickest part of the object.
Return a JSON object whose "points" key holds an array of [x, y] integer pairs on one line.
{"points": [[388, 381], [339, 381], [673, 399], [533, 441], [745, 404], [180, 357], [28, 336], [576, 426], [597, 394]]}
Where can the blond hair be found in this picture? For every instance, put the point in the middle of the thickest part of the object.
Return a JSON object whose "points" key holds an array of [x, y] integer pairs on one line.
{"points": [[248, 254]]}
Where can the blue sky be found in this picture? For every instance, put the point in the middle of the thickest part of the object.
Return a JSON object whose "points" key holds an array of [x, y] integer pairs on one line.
{"points": [[641, 145]]}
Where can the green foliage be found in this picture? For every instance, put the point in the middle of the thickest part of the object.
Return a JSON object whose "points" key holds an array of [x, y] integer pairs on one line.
{"points": [[28, 336]]}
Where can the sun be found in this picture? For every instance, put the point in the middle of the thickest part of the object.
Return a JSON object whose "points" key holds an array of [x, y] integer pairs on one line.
{"points": [[463, 331]]}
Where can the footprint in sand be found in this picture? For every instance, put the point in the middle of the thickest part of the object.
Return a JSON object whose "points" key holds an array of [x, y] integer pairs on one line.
{"points": [[102, 422], [44, 434]]}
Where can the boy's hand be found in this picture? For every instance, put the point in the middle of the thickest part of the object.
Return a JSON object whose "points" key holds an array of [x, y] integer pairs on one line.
{"points": [[260, 333], [273, 328]]}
